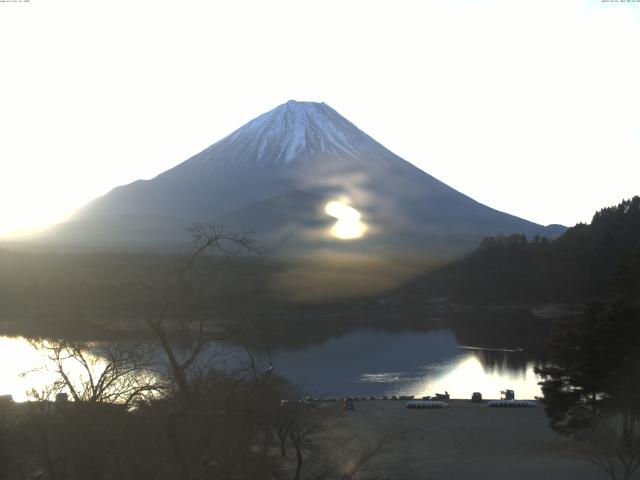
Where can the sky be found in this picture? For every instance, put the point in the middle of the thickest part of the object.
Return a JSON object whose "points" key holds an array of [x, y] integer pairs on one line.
{"points": [[530, 107]]}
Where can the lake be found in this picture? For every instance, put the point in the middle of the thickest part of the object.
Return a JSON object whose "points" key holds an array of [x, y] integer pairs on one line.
{"points": [[406, 363], [361, 362]]}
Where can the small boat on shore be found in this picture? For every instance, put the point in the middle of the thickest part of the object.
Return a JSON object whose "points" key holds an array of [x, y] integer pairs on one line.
{"points": [[487, 349]]}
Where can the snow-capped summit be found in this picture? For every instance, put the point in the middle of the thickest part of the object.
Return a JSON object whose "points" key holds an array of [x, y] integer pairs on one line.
{"points": [[277, 174], [294, 131]]}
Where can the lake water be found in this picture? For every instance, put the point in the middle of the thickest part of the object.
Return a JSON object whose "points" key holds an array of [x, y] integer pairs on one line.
{"points": [[406, 363], [363, 362]]}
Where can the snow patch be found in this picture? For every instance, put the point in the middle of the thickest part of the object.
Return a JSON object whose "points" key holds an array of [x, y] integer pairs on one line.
{"points": [[292, 130]]}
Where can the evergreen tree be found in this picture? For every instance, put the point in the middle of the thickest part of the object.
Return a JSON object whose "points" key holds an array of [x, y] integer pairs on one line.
{"points": [[574, 267], [595, 367]]}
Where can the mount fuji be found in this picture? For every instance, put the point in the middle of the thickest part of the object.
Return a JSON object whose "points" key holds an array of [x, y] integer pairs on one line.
{"points": [[303, 178]]}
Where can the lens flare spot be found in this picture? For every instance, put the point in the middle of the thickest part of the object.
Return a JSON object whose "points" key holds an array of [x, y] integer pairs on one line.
{"points": [[348, 225]]}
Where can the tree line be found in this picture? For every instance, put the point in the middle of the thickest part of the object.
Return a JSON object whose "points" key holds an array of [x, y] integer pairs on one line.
{"points": [[574, 267]]}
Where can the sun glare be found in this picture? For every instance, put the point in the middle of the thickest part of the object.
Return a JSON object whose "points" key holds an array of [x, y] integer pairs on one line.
{"points": [[348, 225], [21, 216], [468, 374], [25, 368]]}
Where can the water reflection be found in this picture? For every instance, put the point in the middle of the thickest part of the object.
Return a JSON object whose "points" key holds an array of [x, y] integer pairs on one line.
{"points": [[363, 362], [406, 363], [460, 377], [97, 371], [23, 368], [466, 374]]}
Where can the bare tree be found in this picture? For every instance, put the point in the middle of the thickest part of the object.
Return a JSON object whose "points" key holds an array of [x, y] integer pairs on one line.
{"points": [[618, 457], [207, 240], [325, 447], [112, 373], [189, 370], [308, 425], [345, 452]]}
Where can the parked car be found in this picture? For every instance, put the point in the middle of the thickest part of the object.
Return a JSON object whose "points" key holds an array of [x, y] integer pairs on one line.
{"points": [[476, 397]]}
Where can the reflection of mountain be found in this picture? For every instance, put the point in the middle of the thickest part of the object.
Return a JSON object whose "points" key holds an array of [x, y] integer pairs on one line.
{"points": [[500, 362], [342, 365], [486, 329], [380, 362], [509, 329], [275, 174]]}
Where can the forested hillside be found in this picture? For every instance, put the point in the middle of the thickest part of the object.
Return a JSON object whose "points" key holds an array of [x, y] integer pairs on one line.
{"points": [[574, 267]]}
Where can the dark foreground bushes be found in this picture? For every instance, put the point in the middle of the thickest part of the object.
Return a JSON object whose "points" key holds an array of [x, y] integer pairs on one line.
{"points": [[233, 428]]}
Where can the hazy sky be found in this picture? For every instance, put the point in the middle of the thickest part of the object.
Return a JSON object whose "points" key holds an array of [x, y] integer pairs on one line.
{"points": [[531, 107]]}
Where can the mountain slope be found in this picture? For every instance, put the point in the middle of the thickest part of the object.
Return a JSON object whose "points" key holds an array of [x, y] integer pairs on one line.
{"points": [[276, 174]]}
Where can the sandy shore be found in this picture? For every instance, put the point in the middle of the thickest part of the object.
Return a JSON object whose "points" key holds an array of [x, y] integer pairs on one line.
{"points": [[467, 441]]}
